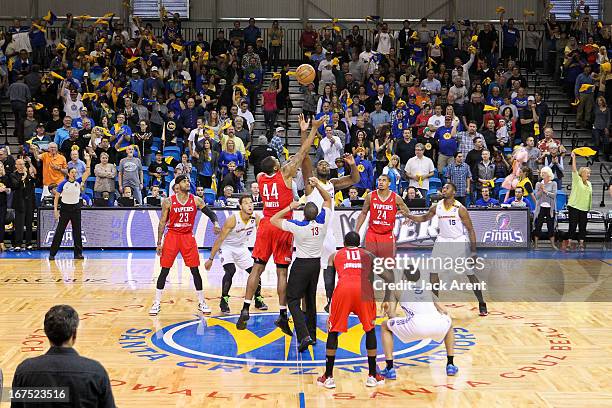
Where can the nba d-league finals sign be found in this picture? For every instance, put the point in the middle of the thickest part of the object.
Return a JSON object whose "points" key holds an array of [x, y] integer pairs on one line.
{"points": [[137, 228]]}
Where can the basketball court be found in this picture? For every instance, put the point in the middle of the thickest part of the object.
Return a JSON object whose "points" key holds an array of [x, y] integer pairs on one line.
{"points": [[542, 354]]}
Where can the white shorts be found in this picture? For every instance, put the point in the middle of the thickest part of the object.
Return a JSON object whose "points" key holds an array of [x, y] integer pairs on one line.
{"points": [[329, 247], [419, 327], [241, 257], [450, 251]]}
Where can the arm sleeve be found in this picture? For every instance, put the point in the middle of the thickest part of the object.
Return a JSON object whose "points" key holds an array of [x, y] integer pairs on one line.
{"points": [[60, 187], [210, 214]]}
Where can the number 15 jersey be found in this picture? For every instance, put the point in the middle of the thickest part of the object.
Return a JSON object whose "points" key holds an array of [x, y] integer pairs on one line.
{"points": [[449, 221]]}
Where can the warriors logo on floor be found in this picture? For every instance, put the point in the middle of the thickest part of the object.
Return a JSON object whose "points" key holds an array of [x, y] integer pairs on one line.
{"points": [[217, 339]]}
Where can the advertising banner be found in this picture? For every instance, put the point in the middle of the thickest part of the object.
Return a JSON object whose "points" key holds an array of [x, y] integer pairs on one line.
{"points": [[116, 228]]}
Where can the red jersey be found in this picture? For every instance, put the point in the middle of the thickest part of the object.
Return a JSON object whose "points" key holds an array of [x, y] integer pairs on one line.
{"points": [[350, 264], [275, 194], [382, 213], [181, 217]]}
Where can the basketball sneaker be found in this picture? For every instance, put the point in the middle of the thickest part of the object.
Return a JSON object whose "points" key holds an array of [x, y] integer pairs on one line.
{"points": [[375, 380], [203, 307], [244, 317], [283, 324], [259, 303], [154, 311], [389, 373], [451, 369], [327, 382], [482, 309], [224, 304]]}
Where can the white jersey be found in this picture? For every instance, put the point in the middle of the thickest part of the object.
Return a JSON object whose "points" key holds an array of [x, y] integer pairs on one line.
{"points": [[449, 222], [417, 301], [239, 235], [316, 198]]}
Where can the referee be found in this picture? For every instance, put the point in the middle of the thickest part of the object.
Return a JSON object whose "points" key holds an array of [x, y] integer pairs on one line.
{"points": [[68, 198], [304, 275]]}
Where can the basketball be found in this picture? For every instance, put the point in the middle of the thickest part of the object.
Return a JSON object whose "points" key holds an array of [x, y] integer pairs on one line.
{"points": [[305, 74]]}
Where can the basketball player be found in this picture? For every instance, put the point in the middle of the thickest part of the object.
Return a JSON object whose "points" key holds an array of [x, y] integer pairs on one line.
{"points": [[382, 204], [313, 196], [275, 187], [354, 294], [234, 252], [452, 241], [424, 319], [179, 213]]}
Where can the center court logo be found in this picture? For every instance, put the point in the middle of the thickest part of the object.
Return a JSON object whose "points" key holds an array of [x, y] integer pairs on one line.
{"points": [[217, 340]]}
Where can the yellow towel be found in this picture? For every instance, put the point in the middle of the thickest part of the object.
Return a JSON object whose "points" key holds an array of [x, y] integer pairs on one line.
{"points": [[584, 151], [437, 41]]}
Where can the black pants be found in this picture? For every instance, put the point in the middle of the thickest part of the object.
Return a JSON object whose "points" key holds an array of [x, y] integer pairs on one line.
{"points": [[577, 218], [2, 220], [68, 213], [531, 59], [302, 283], [23, 222], [19, 110], [546, 215]]}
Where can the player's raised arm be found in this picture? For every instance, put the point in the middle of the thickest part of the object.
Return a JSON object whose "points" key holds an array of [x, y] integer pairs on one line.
{"points": [[425, 217], [327, 199], [307, 162], [277, 219], [290, 168], [209, 213], [348, 180], [364, 212], [467, 222], [229, 224], [165, 204]]}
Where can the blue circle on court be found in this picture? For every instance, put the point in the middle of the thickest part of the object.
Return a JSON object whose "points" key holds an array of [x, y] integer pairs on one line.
{"points": [[262, 343]]}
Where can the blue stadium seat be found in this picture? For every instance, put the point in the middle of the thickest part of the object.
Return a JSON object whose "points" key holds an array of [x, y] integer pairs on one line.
{"points": [[429, 194], [507, 150], [146, 178], [194, 176], [435, 182], [209, 196], [561, 199], [502, 194], [38, 195], [89, 192], [89, 183], [173, 151], [404, 185], [169, 177]]}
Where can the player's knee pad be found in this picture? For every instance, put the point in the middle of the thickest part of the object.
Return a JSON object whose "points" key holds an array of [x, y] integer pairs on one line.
{"points": [[230, 269], [332, 341], [371, 340], [161, 279]]}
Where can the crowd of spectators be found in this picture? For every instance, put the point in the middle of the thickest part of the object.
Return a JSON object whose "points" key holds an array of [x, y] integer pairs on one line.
{"points": [[418, 104]]}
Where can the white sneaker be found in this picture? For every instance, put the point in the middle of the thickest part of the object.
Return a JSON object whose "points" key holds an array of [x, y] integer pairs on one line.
{"points": [[327, 382], [203, 307], [154, 311], [374, 381]]}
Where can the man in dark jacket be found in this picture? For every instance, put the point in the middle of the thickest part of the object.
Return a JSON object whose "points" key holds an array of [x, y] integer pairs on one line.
{"points": [[23, 183], [259, 153], [85, 381]]}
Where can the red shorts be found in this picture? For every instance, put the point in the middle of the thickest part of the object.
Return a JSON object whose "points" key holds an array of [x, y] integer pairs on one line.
{"points": [[381, 245], [349, 299], [183, 243], [273, 241]]}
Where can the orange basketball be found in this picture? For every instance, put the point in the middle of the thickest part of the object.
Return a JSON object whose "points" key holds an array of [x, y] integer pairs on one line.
{"points": [[305, 74]]}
